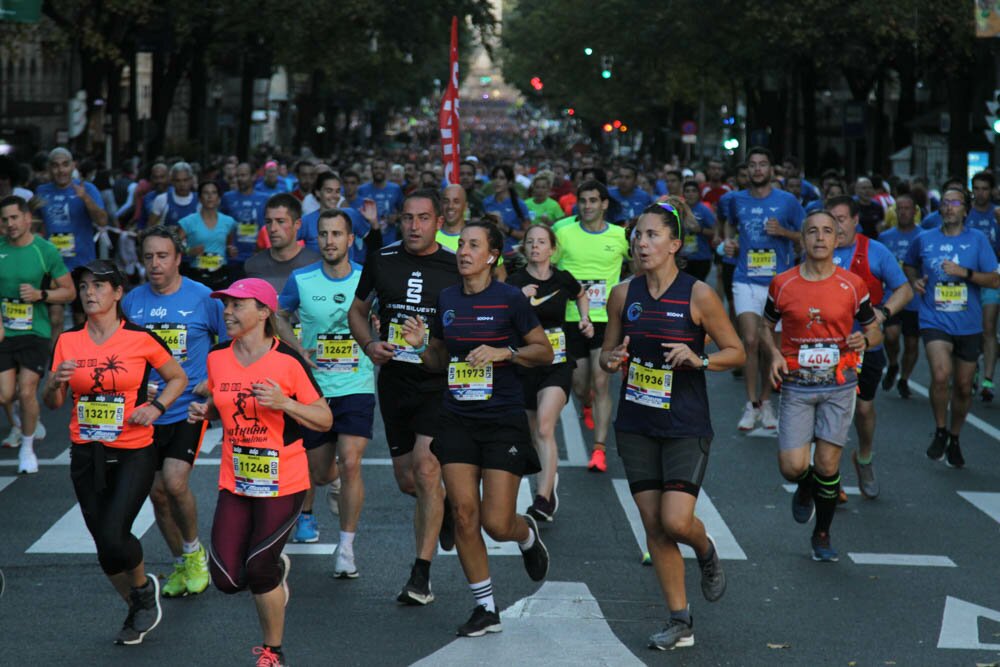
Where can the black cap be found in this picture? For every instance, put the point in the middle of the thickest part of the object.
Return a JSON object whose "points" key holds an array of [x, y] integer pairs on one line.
{"points": [[102, 269]]}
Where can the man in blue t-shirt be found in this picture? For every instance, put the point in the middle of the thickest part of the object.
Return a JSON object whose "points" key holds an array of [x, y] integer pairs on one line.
{"points": [[327, 192], [388, 197], [890, 292], [984, 216], [245, 205], [271, 183], [631, 199], [948, 267], [762, 231], [70, 211], [697, 249], [181, 313], [898, 240]]}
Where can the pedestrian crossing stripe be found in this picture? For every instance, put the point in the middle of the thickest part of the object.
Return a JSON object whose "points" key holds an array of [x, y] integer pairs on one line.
{"points": [[69, 535], [725, 541], [6, 481]]}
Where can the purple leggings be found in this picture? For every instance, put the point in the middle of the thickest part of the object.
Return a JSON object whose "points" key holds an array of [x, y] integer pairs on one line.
{"points": [[248, 535]]}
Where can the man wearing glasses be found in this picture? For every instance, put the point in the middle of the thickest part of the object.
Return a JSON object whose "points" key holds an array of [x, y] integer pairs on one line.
{"points": [[762, 229], [948, 267]]}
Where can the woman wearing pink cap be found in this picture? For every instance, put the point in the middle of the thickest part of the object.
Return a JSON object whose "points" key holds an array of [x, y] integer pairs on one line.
{"points": [[263, 393]]}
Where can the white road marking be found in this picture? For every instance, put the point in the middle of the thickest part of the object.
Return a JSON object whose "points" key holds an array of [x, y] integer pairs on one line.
{"points": [[210, 440], [986, 428], [960, 625], [494, 548], [69, 535], [314, 549], [984, 501], [546, 629], [576, 451], [6, 481], [725, 541], [761, 432], [905, 560], [849, 490]]}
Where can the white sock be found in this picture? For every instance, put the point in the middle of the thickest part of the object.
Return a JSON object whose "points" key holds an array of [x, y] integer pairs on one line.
{"points": [[191, 547], [528, 543], [483, 592], [346, 541], [27, 443]]}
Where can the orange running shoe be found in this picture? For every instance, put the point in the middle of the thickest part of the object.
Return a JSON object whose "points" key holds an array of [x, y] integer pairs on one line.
{"points": [[598, 461]]}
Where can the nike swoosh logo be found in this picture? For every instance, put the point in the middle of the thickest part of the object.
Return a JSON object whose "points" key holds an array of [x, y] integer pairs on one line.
{"points": [[537, 302]]}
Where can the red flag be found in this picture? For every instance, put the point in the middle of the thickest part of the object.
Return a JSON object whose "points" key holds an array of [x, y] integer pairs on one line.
{"points": [[448, 117]]}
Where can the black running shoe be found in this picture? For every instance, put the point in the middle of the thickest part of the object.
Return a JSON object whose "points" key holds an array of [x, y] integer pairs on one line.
{"points": [[536, 559], [144, 613], [903, 387], [542, 509], [890, 378], [713, 578], [446, 538], [936, 449], [417, 590], [480, 623], [953, 453]]}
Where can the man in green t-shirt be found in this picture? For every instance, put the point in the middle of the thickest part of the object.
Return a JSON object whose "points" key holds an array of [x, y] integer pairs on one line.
{"points": [[593, 251], [33, 276], [543, 208]]}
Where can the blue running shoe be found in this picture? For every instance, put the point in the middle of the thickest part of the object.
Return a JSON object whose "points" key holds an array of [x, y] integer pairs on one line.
{"points": [[306, 529], [822, 550]]}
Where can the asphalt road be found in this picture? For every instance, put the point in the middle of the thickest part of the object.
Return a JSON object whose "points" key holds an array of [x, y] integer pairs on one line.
{"points": [[916, 583]]}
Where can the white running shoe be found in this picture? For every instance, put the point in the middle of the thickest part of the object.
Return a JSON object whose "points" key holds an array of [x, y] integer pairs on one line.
{"points": [[749, 418], [767, 417], [13, 439], [27, 462], [344, 567], [40, 431]]}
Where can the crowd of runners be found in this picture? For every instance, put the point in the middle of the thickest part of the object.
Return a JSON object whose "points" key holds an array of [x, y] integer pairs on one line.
{"points": [[285, 304]]}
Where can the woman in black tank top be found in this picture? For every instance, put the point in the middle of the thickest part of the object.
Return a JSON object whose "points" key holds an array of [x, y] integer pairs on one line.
{"points": [[656, 330]]}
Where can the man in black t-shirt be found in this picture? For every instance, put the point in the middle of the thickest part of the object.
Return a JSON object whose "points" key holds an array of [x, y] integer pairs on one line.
{"points": [[406, 277]]}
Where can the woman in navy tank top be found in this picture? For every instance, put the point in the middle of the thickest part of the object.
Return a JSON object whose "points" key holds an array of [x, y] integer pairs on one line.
{"points": [[657, 324]]}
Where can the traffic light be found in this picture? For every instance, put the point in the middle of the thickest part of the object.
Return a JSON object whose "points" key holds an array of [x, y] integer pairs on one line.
{"points": [[608, 127], [571, 111], [607, 62], [536, 83], [731, 144], [992, 120], [587, 51]]}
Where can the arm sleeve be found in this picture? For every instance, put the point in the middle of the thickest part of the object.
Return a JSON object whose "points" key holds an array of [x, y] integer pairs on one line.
{"points": [[865, 314], [289, 298]]}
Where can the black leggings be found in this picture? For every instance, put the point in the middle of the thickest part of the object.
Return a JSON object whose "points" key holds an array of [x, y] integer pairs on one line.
{"points": [[111, 485], [248, 535]]}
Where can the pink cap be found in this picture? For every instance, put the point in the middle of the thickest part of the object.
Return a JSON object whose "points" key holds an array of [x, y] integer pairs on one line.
{"points": [[270, 163], [251, 288]]}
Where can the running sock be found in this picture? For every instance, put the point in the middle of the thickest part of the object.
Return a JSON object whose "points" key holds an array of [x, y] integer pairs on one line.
{"points": [[703, 560], [599, 447], [825, 493], [528, 543], [27, 442], [274, 649], [683, 615], [483, 592], [191, 547], [346, 541], [309, 512], [866, 460], [423, 566], [805, 480]]}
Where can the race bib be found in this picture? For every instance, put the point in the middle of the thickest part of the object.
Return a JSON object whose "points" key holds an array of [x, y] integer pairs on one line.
{"points": [[255, 471], [101, 416], [597, 292], [65, 244], [557, 339], [762, 263], [690, 244], [470, 384], [649, 387], [819, 357], [17, 315], [208, 262], [403, 350], [951, 297], [297, 332], [246, 232], [337, 353], [174, 336]]}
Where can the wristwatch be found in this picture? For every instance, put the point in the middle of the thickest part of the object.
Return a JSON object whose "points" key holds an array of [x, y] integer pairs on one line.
{"points": [[513, 352], [885, 311], [45, 296], [704, 361]]}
